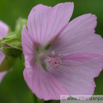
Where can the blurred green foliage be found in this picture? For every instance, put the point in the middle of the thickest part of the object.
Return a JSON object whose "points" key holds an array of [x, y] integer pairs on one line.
{"points": [[13, 88]]}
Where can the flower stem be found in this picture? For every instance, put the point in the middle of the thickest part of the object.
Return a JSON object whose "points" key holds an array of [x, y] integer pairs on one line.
{"points": [[35, 98]]}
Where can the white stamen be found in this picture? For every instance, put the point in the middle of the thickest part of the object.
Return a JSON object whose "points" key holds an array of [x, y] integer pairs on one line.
{"points": [[53, 53]]}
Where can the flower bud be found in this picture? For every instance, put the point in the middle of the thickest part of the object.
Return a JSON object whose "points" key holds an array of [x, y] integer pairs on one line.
{"points": [[11, 45]]}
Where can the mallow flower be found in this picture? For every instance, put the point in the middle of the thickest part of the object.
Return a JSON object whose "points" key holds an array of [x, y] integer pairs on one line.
{"points": [[3, 31], [62, 57]]}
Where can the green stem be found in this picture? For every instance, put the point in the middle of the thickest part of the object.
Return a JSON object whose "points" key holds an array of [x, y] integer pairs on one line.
{"points": [[35, 98]]}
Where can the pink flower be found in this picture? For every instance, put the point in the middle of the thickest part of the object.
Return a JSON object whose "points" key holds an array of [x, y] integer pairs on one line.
{"points": [[3, 32], [61, 57]]}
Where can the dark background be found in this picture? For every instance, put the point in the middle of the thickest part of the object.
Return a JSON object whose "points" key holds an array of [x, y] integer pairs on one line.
{"points": [[13, 88]]}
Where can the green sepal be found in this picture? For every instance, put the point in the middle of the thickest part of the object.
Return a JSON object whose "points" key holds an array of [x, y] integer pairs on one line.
{"points": [[12, 42], [0, 42], [10, 36], [7, 64]]}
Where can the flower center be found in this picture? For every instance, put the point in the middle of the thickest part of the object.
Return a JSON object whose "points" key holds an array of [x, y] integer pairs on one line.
{"points": [[54, 61]]}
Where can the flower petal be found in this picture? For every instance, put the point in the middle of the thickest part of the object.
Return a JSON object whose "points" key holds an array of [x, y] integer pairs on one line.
{"points": [[2, 56], [79, 36], [27, 43], [28, 49], [3, 29], [2, 74], [43, 84], [44, 22], [77, 72], [3, 32]]}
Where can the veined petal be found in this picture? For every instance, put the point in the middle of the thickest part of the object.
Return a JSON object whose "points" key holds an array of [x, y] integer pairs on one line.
{"points": [[44, 22], [3, 29], [27, 43], [79, 36], [77, 72], [43, 84], [28, 49]]}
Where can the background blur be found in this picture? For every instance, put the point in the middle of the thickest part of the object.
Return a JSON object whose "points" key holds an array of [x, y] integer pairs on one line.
{"points": [[13, 88]]}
